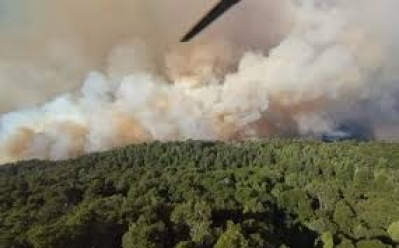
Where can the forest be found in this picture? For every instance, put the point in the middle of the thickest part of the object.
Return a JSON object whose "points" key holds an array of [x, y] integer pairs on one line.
{"points": [[196, 194]]}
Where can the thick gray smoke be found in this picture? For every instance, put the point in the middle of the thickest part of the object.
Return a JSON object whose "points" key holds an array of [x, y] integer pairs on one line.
{"points": [[269, 67]]}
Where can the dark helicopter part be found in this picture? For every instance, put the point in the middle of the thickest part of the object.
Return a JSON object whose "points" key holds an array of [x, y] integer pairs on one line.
{"points": [[216, 12]]}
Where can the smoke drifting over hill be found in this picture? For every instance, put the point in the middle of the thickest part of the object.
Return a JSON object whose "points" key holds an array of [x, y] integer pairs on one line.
{"points": [[288, 68]]}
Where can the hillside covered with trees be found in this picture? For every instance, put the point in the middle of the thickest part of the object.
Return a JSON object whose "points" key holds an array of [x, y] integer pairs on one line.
{"points": [[275, 193]]}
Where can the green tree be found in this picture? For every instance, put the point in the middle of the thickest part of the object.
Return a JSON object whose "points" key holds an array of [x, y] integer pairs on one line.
{"points": [[232, 237], [371, 244], [328, 240], [344, 217], [345, 243], [197, 216], [393, 231], [145, 235]]}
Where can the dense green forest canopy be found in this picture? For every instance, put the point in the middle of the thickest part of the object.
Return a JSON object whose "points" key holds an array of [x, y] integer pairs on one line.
{"points": [[274, 193]]}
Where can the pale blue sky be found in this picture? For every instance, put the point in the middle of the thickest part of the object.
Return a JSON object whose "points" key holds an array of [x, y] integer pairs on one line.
{"points": [[7, 11], [11, 14]]}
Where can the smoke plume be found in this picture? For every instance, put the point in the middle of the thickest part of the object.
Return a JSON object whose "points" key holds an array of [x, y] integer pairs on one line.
{"points": [[268, 67]]}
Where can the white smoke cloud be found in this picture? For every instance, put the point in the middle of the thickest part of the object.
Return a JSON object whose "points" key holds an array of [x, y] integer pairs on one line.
{"points": [[332, 70]]}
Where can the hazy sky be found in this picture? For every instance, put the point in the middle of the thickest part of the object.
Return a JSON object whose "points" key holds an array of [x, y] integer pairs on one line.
{"points": [[48, 46]]}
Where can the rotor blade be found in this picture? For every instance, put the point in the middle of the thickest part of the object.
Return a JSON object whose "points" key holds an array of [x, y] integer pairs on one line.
{"points": [[213, 14]]}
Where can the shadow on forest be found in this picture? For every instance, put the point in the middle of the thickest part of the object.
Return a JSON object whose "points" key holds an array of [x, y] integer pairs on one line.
{"points": [[278, 226]]}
